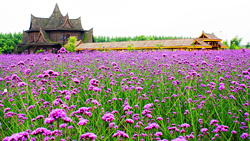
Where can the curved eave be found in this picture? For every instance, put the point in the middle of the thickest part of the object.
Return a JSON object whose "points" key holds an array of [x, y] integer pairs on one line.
{"points": [[67, 20], [34, 30], [40, 35], [39, 43], [212, 40], [223, 46], [203, 34], [196, 41]]}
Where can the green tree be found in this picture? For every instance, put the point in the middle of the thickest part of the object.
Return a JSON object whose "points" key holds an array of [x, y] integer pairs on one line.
{"points": [[141, 38], [235, 43], [151, 38], [225, 43], [248, 45], [71, 44], [8, 41]]}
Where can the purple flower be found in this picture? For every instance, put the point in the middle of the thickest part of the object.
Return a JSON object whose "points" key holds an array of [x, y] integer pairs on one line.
{"points": [[76, 80], [147, 106], [111, 125], [244, 135], [108, 117], [20, 84], [180, 138], [20, 63], [158, 134], [27, 71], [213, 121], [233, 132], [120, 134], [41, 130], [113, 64], [94, 82], [17, 136], [185, 125], [62, 50], [151, 126], [6, 110], [49, 120], [129, 121], [40, 117], [57, 113], [82, 121], [67, 119], [203, 130], [88, 135], [139, 88], [159, 118], [63, 125]]}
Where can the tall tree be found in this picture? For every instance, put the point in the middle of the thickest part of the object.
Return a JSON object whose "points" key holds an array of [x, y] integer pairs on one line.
{"points": [[236, 41]]}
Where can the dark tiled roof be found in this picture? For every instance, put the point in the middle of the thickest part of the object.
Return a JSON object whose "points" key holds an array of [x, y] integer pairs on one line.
{"points": [[54, 22]]}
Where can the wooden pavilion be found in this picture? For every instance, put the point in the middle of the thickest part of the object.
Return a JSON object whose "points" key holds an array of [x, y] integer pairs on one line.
{"points": [[51, 33], [205, 40]]}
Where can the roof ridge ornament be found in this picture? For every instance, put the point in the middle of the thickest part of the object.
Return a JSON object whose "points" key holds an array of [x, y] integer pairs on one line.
{"points": [[57, 10], [67, 21]]}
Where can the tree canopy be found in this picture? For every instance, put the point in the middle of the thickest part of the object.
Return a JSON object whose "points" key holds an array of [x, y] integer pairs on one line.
{"points": [[8, 42]]}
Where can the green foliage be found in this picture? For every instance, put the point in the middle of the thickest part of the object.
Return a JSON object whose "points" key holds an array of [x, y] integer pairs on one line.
{"points": [[71, 44], [159, 46], [40, 51], [8, 41], [131, 47], [102, 48], [151, 38], [235, 43], [248, 45], [141, 38], [225, 43]]}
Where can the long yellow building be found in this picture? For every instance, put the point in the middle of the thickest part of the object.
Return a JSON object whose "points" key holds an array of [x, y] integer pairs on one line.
{"points": [[205, 40]]}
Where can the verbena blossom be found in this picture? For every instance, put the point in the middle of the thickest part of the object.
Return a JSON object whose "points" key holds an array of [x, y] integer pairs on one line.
{"points": [[129, 121], [88, 135], [120, 134], [17, 136], [82, 121], [147, 106], [108, 117], [41, 130], [151, 126], [57, 113]]}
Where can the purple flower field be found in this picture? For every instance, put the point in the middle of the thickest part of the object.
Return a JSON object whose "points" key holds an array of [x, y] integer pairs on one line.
{"points": [[142, 96]]}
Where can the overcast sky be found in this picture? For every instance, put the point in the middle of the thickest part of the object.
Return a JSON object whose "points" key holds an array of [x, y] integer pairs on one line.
{"points": [[225, 18]]}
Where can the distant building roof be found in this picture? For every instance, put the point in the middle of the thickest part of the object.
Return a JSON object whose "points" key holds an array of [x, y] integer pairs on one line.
{"points": [[169, 43], [208, 36]]}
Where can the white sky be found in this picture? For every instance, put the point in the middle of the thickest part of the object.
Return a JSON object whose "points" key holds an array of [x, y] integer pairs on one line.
{"points": [[225, 18]]}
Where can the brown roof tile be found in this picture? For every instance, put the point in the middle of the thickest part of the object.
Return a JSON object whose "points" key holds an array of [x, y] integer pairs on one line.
{"points": [[150, 43], [54, 22]]}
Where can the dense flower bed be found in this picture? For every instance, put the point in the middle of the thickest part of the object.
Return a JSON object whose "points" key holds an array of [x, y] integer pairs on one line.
{"points": [[160, 95]]}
